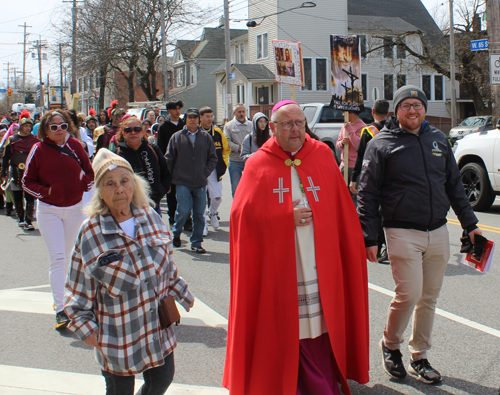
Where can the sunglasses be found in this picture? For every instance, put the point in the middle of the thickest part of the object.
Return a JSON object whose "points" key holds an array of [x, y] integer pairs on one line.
{"points": [[55, 127], [136, 129]]}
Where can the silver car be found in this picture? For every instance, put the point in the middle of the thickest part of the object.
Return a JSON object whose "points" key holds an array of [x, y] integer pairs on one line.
{"points": [[469, 125]]}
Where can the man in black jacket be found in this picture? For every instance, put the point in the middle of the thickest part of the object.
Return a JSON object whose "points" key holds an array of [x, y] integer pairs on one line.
{"points": [[380, 113], [409, 169], [191, 158]]}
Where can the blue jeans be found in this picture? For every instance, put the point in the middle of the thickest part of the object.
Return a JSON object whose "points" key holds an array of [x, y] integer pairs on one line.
{"points": [[156, 380], [235, 170], [190, 199]]}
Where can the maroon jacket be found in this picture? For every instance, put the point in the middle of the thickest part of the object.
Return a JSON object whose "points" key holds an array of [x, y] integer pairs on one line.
{"points": [[48, 168]]}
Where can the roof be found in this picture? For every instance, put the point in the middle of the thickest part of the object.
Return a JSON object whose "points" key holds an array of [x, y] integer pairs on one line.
{"points": [[210, 45], [249, 71], [359, 23], [411, 11]]}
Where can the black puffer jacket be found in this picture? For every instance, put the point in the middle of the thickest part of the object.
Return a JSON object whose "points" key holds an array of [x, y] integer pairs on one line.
{"points": [[415, 178], [152, 167]]}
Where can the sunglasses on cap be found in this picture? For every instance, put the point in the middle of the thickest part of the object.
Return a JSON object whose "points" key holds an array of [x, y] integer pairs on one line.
{"points": [[55, 127], [136, 129]]}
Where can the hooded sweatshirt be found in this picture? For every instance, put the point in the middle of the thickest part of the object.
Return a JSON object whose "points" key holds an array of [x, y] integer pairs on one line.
{"points": [[249, 146]]}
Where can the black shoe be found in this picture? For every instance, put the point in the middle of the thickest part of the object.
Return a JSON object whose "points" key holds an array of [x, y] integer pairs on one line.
{"points": [[62, 320], [8, 209], [176, 242], [392, 362], [382, 256], [199, 249], [424, 372], [188, 226]]}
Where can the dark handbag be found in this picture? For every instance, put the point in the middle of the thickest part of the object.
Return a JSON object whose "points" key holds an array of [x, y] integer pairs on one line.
{"points": [[167, 310]]}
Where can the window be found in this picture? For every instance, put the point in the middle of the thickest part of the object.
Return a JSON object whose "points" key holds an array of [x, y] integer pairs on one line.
{"points": [[262, 46], [79, 84], [438, 87], [242, 53], [240, 93], [315, 74], [426, 86], [192, 72], [364, 86], [401, 52], [362, 44], [400, 80], [388, 53], [179, 77], [388, 87], [236, 54]]}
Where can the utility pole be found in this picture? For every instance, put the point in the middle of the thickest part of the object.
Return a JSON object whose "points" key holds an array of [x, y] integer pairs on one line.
{"points": [[38, 47], [163, 16], [493, 15], [8, 82], [15, 76], [24, 54], [62, 75], [452, 68], [227, 35], [73, 55]]}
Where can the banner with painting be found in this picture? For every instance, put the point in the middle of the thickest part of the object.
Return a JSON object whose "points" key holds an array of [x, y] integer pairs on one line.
{"points": [[346, 73], [288, 62]]}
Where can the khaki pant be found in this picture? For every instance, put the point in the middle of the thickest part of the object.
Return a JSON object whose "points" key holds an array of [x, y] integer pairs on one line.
{"points": [[418, 262]]}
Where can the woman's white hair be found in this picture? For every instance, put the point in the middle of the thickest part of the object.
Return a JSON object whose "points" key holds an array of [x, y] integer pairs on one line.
{"points": [[140, 198]]}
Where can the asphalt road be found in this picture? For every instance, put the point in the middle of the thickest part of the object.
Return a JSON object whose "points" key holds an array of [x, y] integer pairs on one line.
{"points": [[466, 343]]}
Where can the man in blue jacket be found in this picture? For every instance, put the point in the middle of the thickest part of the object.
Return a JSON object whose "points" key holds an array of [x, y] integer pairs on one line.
{"points": [[191, 158], [411, 172]]}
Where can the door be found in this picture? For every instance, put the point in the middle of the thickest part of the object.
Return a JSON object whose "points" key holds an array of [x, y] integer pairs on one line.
{"points": [[263, 94]]}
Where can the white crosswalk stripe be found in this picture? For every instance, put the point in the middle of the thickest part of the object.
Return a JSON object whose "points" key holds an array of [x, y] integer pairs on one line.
{"points": [[15, 380]]}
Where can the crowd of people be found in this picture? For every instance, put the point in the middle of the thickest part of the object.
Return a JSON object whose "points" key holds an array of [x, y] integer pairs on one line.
{"points": [[299, 236]]}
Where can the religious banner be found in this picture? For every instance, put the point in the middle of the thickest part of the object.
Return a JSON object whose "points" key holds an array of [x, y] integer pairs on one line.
{"points": [[346, 73], [288, 62]]}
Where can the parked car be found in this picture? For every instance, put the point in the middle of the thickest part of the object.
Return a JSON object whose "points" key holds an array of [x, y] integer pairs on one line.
{"points": [[140, 112], [471, 125], [478, 158], [326, 122]]}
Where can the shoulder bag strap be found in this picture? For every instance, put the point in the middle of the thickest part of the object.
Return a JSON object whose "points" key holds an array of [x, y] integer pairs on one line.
{"points": [[65, 151]]}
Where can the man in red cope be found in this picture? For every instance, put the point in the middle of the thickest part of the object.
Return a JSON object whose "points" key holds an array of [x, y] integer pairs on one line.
{"points": [[298, 316]]}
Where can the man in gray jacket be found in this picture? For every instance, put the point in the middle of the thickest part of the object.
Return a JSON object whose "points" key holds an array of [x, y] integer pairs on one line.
{"points": [[236, 130], [411, 172], [191, 158]]}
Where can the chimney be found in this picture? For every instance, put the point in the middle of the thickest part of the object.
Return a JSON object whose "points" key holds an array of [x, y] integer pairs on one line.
{"points": [[476, 23]]}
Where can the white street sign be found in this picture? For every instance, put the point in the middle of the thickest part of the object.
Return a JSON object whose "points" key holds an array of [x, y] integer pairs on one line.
{"points": [[495, 69]]}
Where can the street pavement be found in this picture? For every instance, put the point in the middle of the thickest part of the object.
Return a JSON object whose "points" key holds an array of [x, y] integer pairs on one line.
{"points": [[36, 359]]}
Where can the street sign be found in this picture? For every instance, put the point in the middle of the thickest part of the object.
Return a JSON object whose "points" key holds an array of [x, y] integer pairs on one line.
{"points": [[3, 90], [479, 45], [232, 76], [495, 69]]}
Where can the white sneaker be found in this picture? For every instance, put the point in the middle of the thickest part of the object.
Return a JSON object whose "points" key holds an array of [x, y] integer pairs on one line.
{"points": [[214, 220], [205, 230]]}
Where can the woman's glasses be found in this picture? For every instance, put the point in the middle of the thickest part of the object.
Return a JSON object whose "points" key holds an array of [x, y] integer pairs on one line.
{"points": [[136, 129], [55, 127]]}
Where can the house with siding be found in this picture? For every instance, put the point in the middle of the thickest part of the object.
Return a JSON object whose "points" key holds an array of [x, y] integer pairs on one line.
{"points": [[193, 64], [375, 21]]}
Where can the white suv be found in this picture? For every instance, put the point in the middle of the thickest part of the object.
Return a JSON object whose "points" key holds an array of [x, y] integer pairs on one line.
{"points": [[478, 158]]}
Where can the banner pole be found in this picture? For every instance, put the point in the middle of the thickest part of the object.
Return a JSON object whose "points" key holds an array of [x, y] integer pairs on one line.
{"points": [[346, 151]]}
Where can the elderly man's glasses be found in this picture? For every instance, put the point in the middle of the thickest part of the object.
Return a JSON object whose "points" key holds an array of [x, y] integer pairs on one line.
{"points": [[289, 125], [407, 106], [55, 127], [136, 129]]}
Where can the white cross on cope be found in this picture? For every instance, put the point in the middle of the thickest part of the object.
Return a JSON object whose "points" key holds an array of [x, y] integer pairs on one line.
{"points": [[281, 190], [312, 188]]}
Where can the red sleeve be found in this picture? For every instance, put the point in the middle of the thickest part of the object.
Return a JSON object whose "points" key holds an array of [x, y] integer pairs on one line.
{"points": [[30, 179]]}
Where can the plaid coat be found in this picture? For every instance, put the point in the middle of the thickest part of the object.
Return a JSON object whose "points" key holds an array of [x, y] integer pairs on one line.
{"points": [[120, 300]]}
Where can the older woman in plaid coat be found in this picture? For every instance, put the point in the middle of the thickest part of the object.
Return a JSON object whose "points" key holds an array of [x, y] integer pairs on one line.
{"points": [[121, 267]]}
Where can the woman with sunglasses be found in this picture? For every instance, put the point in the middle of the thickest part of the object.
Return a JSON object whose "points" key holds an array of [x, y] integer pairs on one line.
{"points": [[58, 172], [146, 160]]}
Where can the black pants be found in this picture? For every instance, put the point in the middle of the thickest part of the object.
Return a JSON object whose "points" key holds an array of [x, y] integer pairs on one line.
{"points": [[156, 380], [24, 214]]}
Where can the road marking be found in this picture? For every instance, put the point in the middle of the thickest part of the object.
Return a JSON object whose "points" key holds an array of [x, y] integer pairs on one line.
{"points": [[446, 314], [35, 302], [16, 380], [486, 228]]}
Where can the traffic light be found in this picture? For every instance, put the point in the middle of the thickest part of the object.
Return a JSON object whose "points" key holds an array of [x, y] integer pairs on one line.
{"points": [[9, 92]]}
